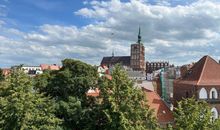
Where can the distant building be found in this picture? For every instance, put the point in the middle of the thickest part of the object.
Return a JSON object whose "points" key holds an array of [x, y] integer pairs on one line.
{"points": [[49, 67], [136, 75], [138, 55], [6, 71], [185, 68], [136, 60], [153, 75], [32, 70], [153, 66], [202, 80], [113, 60], [166, 79]]}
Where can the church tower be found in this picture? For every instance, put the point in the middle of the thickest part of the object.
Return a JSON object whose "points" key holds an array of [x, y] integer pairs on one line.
{"points": [[137, 61]]}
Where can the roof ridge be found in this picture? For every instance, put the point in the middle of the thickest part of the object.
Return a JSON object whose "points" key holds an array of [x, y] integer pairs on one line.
{"points": [[203, 68]]}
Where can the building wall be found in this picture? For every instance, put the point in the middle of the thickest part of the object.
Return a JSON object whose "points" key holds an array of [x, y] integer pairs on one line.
{"points": [[137, 57], [181, 91], [153, 66], [187, 91], [32, 69]]}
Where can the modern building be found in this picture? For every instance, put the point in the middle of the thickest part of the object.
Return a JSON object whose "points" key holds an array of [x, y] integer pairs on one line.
{"points": [[202, 80]]}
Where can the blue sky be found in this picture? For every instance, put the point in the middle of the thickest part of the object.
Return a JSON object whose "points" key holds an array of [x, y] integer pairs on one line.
{"points": [[47, 31], [27, 14]]}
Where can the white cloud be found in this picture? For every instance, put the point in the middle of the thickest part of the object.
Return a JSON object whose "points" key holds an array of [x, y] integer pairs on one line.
{"points": [[190, 29], [179, 34]]}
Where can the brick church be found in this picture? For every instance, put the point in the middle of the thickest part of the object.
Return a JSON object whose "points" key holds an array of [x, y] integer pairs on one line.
{"points": [[202, 80], [136, 60]]}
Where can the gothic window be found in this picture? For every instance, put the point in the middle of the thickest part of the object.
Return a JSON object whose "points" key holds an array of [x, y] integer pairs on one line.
{"points": [[203, 94], [213, 94], [214, 113], [187, 94]]}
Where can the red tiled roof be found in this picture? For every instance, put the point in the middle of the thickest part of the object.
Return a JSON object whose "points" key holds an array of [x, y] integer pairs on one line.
{"points": [[49, 67], [205, 72], [6, 71], [93, 93], [54, 67], [44, 66], [161, 110]]}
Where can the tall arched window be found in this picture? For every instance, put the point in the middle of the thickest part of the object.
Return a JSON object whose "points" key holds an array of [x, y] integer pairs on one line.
{"points": [[203, 94], [214, 113], [213, 94]]}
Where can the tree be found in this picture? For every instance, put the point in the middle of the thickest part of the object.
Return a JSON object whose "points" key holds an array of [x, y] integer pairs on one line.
{"points": [[21, 107], [2, 77], [68, 87], [119, 106], [193, 115], [123, 106]]}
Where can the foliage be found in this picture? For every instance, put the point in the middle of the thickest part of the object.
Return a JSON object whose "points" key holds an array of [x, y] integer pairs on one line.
{"points": [[2, 77], [193, 115], [216, 125], [119, 106], [123, 106], [21, 107], [68, 87]]}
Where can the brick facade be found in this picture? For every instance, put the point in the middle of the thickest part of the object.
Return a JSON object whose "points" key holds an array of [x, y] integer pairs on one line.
{"points": [[201, 81]]}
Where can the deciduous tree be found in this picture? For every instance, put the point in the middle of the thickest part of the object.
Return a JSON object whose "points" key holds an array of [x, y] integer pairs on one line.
{"points": [[22, 108], [123, 105], [193, 115], [68, 87]]}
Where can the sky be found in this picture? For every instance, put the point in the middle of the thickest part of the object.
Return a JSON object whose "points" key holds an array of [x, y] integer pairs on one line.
{"points": [[34, 32]]}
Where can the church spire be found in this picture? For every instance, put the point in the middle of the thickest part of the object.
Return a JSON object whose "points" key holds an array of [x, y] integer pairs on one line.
{"points": [[113, 53], [139, 35]]}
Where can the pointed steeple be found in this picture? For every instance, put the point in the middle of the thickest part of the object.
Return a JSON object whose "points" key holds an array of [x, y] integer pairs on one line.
{"points": [[139, 36], [113, 53]]}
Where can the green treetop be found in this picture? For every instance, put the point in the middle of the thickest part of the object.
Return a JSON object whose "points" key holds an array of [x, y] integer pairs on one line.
{"points": [[193, 115], [22, 108], [123, 105]]}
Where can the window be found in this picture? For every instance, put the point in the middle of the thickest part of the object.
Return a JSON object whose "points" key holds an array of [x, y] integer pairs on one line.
{"points": [[213, 94], [214, 113], [187, 94], [203, 94]]}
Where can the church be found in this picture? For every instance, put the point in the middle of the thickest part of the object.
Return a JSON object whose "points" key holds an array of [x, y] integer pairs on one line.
{"points": [[136, 60], [202, 81]]}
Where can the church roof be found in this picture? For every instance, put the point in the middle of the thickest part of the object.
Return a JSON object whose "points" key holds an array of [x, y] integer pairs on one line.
{"points": [[205, 72], [112, 60]]}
